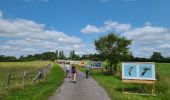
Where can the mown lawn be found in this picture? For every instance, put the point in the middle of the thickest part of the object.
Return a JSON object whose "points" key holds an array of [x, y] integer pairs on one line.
{"points": [[113, 85], [39, 91]]}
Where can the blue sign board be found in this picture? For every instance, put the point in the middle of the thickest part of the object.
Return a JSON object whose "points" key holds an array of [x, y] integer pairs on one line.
{"points": [[96, 64], [137, 70], [130, 70]]}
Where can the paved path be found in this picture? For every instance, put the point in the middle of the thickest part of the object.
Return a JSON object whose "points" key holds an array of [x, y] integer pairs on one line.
{"points": [[83, 89]]}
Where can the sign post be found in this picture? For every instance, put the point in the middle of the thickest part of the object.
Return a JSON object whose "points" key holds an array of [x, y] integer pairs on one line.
{"points": [[97, 64], [139, 72]]}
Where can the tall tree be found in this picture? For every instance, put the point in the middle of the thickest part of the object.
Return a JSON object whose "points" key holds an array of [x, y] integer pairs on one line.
{"points": [[56, 52], [71, 55], [157, 56], [61, 55], [113, 48]]}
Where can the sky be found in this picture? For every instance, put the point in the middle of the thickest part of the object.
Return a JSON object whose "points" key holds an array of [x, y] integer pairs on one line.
{"points": [[36, 26]]}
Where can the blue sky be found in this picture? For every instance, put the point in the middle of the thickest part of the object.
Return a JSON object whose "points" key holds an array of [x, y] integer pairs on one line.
{"points": [[35, 26]]}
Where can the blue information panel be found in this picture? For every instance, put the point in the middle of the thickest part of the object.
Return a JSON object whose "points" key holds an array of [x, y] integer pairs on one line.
{"points": [[130, 70], [96, 64], [137, 70], [145, 71]]}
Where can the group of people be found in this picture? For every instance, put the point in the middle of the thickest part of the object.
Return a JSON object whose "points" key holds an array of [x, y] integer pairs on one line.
{"points": [[73, 71]]}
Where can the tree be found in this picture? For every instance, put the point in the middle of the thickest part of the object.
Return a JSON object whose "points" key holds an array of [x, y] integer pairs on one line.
{"points": [[71, 55], [61, 55], [156, 56], [22, 58], [56, 54], [113, 48]]}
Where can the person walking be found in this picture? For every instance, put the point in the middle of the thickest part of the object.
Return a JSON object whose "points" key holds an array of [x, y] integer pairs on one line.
{"points": [[87, 71], [67, 68], [74, 74]]}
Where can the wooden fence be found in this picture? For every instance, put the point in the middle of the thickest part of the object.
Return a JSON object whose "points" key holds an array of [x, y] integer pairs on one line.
{"points": [[15, 79]]}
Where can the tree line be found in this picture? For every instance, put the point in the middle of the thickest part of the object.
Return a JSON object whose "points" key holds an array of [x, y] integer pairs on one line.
{"points": [[43, 56], [155, 57]]}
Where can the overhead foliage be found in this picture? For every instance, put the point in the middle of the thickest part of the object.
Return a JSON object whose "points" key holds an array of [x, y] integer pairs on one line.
{"points": [[113, 48]]}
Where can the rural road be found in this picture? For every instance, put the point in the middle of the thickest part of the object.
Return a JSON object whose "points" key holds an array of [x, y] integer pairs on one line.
{"points": [[83, 89]]}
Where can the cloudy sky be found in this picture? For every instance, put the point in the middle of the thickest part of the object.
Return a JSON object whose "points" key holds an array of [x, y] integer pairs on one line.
{"points": [[36, 26]]}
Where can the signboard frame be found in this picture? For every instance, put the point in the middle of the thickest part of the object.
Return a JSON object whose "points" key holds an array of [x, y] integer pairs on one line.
{"points": [[96, 62], [138, 72], [82, 64], [140, 78]]}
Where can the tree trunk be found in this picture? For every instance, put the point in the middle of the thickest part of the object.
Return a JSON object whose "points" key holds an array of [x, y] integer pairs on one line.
{"points": [[110, 69], [115, 68]]}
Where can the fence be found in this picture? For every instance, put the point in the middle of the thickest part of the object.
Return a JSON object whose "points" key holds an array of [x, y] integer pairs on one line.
{"points": [[20, 78]]}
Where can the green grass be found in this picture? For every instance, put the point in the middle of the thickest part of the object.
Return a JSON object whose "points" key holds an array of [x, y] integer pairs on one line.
{"points": [[113, 85], [23, 65], [17, 70], [39, 91]]}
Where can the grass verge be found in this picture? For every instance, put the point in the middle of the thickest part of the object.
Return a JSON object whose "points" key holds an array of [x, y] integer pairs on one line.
{"points": [[113, 85], [39, 91]]}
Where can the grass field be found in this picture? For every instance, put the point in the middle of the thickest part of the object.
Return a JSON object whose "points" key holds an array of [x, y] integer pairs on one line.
{"points": [[39, 91], [23, 65], [113, 86], [17, 69]]}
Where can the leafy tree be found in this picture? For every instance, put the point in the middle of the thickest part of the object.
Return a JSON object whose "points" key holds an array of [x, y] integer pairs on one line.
{"points": [[73, 56], [48, 56], [56, 54], [113, 48], [22, 58], [61, 55], [156, 56], [129, 57]]}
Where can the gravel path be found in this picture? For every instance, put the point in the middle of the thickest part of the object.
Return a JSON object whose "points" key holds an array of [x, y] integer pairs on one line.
{"points": [[83, 89]]}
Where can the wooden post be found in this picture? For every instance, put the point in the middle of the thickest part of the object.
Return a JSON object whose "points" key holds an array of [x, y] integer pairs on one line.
{"points": [[45, 72], [153, 89], [8, 79], [122, 87], [24, 77], [38, 75], [140, 82]]}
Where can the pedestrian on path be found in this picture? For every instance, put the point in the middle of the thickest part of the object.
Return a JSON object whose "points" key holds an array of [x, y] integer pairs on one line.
{"points": [[74, 73], [87, 71], [67, 68]]}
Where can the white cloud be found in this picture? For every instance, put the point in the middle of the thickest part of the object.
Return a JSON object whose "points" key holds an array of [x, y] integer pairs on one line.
{"points": [[148, 39], [27, 36], [90, 29], [14, 50], [1, 14], [146, 33], [165, 47], [108, 26], [146, 49], [19, 27]]}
